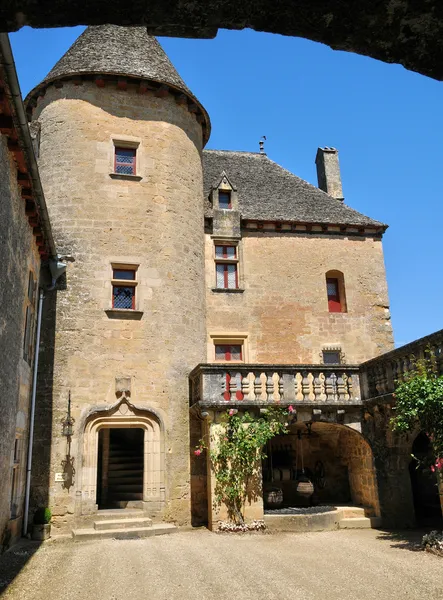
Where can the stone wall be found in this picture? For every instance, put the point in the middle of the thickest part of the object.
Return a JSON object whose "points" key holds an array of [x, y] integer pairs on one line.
{"points": [[283, 309], [154, 221], [18, 256]]}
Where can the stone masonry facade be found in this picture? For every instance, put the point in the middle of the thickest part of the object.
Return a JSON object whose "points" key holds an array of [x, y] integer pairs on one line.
{"points": [[248, 287]]}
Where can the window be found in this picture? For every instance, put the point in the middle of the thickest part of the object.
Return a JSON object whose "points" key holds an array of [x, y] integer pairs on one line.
{"points": [[331, 357], [124, 161], [226, 267], [28, 340], [123, 287], [335, 287], [14, 503], [229, 352], [224, 200]]}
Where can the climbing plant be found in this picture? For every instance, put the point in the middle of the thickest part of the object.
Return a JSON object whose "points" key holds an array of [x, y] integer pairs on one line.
{"points": [[419, 404], [235, 450]]}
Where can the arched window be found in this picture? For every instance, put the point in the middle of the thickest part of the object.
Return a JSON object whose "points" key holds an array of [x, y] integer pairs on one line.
{"points": [[335, 288]]}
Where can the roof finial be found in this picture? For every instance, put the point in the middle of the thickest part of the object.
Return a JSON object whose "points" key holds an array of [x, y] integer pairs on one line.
{"points": [[262, 144]]}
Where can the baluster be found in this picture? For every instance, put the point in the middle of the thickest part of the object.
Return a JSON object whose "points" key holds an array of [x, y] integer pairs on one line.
{"points": [[245, 387], [341, 387], [317, 387], [225, 384], [331, 387], [233, 387], [269, 387], [281, 389], [257, 387], [305, 387], [299, 386]]}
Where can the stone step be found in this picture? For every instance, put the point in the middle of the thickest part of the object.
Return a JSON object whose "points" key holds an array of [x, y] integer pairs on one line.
{"points": [[125, 473], [353, 511], [123, 534], [119, 513], [125, 466], [122, 524], [360, 523], [124, 496], [125, 486]]}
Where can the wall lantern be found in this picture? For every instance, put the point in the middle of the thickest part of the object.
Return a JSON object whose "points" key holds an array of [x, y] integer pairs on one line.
{"points": [[68, 423]]}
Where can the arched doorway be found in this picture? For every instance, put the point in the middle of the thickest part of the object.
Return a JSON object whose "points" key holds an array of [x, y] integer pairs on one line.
{"points": [[123, 459], [335, 458], [424, 483]]}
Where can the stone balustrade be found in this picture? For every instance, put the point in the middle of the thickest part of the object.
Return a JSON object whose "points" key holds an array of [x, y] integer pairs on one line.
{"points": [[220, 384], [378, 376]]}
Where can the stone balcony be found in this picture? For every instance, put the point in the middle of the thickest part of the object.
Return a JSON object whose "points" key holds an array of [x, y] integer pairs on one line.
{"points": [[224, 385], [379, 375]]}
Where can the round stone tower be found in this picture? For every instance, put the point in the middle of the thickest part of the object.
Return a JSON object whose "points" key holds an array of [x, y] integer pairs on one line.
{"points": [[120, 161]]}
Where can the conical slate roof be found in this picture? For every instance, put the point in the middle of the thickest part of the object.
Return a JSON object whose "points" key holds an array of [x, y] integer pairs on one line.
{"points": [[126, 52], [115, 50]]}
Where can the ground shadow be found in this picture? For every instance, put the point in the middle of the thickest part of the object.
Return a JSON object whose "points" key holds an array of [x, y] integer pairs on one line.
{"points": [[404, 539], [14, 560]]}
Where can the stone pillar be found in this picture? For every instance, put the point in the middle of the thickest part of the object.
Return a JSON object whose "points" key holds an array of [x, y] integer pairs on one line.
{"points": [[328, 172]]}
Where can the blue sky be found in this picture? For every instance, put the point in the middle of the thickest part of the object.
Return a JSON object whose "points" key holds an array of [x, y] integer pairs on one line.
{"points": [[386, 122]]}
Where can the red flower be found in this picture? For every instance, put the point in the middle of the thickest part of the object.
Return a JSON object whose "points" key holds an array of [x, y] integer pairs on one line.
{"points": [[197, 452], [291, 409]]}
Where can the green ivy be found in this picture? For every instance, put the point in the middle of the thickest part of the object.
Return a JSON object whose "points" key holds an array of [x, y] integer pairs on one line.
{"points": [[419, 404], [235, 454]]}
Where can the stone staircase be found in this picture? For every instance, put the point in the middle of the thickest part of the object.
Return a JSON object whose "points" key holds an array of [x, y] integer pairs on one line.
{"points": [[354, 517], [125, 475], [122, 525]]}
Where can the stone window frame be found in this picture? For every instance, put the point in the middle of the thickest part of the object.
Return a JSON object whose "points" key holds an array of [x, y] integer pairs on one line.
{"points": [[131, 143], [221, 241], [336, 348], [128, 313], [338, 276], [228, 339]]}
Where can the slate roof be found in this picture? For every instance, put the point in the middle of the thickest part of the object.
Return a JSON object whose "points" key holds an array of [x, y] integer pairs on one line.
{"points": [[111, 49], [268, 192], [121, 51]]}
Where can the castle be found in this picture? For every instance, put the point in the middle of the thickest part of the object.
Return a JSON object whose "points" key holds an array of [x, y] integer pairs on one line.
{"points": [[178, 282]]}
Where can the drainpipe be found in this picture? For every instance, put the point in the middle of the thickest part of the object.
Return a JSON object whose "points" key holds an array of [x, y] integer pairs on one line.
{"points": [[31, 418]]}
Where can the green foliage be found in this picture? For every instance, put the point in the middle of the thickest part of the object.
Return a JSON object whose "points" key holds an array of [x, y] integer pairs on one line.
{"points": [[42, 516], [419, 404], [235, 453]]}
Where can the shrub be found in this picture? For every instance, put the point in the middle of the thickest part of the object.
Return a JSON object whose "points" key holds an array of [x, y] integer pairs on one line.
{"points": [[42, 516]]}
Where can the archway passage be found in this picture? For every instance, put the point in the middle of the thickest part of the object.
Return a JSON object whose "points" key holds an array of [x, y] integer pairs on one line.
{"points": [[424, 484], [409, 34], [120, 467], [337, 461]]}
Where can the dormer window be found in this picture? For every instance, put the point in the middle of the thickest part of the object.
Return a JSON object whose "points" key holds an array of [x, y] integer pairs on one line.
{"points": [[224, 200]]}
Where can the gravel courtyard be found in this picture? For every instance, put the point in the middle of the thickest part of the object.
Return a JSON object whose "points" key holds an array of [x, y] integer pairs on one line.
{"points": [[354, 565]]}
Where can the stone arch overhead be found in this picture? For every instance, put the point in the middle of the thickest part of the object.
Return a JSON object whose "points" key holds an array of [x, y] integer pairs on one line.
{"points": [[407, 33], [360, 461], [122, 414]]}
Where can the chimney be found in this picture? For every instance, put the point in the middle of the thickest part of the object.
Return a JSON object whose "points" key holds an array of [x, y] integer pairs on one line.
{"points": [[328, 172]]}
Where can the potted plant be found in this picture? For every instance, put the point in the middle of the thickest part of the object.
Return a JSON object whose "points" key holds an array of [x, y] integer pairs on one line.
{"points": [[41, 528]]}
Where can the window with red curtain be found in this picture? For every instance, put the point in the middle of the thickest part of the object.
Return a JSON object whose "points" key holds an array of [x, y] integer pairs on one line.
{"points": [[334, 302], [226, 267], [124, 161], [229, 352]]}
